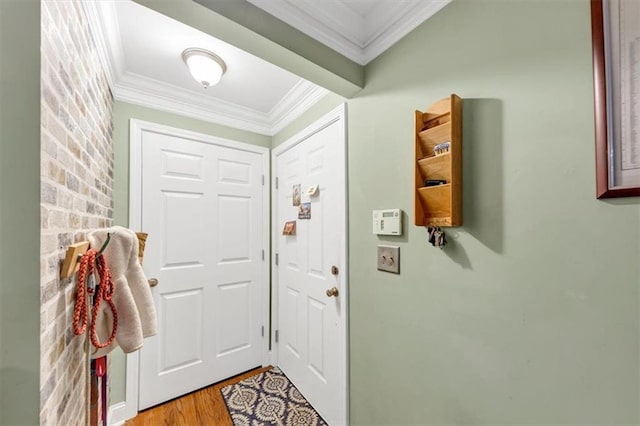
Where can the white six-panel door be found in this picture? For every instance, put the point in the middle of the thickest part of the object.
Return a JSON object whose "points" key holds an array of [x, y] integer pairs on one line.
{"points": [[312, 341], [204, 209]]}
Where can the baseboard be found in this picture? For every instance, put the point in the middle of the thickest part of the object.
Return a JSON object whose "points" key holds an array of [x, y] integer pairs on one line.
{"points": [[117, 414]]}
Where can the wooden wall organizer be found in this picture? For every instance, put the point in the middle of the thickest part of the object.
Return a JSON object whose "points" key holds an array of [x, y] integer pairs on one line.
{"points": [[70, 264], [439, 205]]}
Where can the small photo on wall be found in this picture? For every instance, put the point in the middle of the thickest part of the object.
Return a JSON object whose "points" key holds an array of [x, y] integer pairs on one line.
{"points": [[289, 228], [304, 211], [296, 195]]}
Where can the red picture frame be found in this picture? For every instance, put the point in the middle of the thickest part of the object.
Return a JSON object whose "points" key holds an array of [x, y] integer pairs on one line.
{"points": [[603, 147]]}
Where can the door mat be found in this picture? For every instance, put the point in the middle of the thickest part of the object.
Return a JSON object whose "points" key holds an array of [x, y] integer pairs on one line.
{"points": [[269, 398]]}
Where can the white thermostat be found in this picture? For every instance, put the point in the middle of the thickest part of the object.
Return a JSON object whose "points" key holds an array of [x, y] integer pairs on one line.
{"points": [[387, 222]]}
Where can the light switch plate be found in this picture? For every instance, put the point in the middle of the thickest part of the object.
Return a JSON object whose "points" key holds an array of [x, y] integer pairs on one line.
{"points": [[389, 259]]}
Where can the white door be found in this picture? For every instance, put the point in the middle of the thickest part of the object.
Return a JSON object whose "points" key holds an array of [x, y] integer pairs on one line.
{"points": [[203, 208], [312, 346]]}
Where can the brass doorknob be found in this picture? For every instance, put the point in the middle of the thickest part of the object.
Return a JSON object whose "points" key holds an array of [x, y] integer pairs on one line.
{"points": [[332, 292], [153, 282]]}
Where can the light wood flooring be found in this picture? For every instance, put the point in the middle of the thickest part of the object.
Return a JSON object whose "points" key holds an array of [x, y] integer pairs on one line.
{"points": [[199, 408]]}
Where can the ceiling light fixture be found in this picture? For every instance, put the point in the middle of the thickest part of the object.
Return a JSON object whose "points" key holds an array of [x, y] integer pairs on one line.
{"points": [[206, 67]]}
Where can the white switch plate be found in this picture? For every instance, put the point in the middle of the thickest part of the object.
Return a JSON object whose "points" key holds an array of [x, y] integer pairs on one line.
{"points": [[389, 259]]}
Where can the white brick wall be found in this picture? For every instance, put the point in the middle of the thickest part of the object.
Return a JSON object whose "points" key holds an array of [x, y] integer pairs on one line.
{"points": [[76, 195]]}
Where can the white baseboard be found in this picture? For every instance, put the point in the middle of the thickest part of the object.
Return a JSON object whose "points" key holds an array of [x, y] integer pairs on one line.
{"points": [[117, 414]]}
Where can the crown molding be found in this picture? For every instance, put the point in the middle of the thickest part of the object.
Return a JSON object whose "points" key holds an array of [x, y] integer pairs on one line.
{"points": [[147, 92], [103, 25], [405, 21], [379, 30], [340, 17], [303, 19], [144, 91], [299, 99]]}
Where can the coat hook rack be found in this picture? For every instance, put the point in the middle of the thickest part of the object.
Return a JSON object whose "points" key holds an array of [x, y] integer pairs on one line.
{"points": [[70, 264], [75, 252]]}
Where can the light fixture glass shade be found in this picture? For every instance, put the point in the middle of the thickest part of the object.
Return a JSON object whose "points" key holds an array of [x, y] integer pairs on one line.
{"points": [[206, 67]]}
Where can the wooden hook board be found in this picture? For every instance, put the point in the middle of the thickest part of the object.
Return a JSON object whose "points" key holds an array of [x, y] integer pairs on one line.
{"points": [[70, 264]]}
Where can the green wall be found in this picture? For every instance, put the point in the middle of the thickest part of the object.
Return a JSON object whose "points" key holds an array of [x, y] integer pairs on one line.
{"points": [[123, 112], [531, 314], [19, 213]]}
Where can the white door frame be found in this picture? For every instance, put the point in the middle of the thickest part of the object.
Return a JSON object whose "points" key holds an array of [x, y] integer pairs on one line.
{"points": [[136, 130], [339, 114]]}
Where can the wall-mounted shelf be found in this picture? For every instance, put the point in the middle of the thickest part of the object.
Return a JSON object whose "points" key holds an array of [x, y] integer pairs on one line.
{"points": [[439, 205]]}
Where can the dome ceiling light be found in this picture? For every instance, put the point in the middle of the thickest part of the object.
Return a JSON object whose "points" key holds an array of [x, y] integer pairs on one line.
{"points": [[206, 67]]}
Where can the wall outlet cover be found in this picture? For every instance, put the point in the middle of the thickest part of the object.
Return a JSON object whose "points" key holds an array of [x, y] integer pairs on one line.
{"points": [[389, 259]]}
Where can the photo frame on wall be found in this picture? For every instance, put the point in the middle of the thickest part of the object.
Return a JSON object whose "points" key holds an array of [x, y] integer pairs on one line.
{"points": [[615, 31], [289, 228]]}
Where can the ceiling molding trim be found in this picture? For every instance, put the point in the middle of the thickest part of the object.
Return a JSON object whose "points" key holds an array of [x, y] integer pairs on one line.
{"points": [[380, 21], [103, 24], [309, 25], [299, 99], [379, 30], [339, 17], [95, 24], [140, 90], [402, 26]]}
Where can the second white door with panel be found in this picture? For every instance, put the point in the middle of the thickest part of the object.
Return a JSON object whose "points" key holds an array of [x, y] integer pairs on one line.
{"points": [[311, 272]]}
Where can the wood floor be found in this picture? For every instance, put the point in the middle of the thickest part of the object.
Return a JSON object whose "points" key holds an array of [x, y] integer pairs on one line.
{"points": [[199, 408]]}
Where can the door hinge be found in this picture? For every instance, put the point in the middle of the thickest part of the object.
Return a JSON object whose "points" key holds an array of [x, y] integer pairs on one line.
{"points": [[276, 183], [277, 258], [263, 331], [262, 180], [277, 335], [262, 254]]}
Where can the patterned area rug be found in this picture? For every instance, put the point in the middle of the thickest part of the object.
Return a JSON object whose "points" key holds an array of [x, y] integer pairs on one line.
{"points": [[269, 398]]}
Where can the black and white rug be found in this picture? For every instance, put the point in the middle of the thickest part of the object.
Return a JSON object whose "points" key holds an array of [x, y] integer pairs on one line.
{"points": [[269, 398]]}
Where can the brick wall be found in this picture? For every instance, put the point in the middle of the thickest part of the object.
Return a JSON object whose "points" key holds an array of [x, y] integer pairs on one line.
{"points": [[76, 195]]}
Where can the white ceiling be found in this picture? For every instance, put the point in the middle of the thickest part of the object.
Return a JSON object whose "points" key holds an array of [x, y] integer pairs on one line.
{"points": [[141, 50], [359, 29]]}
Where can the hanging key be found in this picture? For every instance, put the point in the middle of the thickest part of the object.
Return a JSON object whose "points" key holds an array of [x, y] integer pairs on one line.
{"points": [[440, 238]]}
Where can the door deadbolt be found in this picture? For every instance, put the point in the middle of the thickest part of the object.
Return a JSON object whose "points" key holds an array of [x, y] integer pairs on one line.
{"points": [[334, 270]]}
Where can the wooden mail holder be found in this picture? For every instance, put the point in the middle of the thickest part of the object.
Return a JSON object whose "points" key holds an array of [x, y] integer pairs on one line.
{"points": [[438, 158]]}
